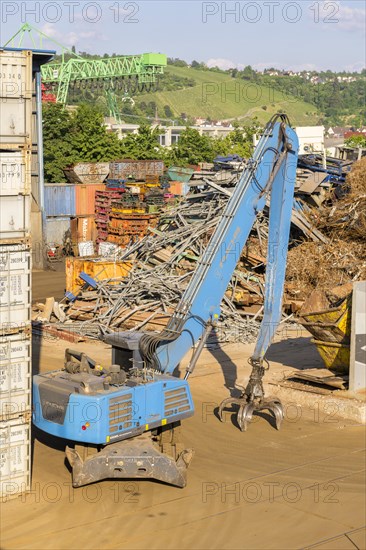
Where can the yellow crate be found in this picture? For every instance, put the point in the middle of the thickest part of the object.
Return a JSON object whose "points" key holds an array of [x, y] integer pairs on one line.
{"points": [[97, 269]]}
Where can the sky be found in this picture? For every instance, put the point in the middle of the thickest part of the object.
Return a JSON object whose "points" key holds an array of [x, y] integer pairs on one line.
{"points": [[296, 35]]}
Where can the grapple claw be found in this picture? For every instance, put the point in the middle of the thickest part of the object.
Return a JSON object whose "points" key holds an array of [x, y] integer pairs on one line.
{"points": [[252, 399], [230, 401], [245, 415], [275, 407]]}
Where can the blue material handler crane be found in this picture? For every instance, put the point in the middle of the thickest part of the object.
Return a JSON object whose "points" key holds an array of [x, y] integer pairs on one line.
{"points": [[123, 421]]}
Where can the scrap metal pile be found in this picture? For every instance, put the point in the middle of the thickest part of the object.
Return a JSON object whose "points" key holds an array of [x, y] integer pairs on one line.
{"points": [[327, 248], [342, 221], [164, 261]]}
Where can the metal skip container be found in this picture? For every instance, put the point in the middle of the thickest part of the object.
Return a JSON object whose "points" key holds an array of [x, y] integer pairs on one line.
{"points": [[135, 169], [87, 172]]}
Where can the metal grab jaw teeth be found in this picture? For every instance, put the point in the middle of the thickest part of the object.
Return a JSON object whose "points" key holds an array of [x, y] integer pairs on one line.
{"points": [[252, 399]]}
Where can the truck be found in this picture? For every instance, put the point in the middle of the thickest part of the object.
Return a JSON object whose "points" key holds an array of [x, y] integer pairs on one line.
{"points": [[137, 404]]}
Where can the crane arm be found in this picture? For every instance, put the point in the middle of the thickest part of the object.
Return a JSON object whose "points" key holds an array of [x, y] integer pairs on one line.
{"points": [[270, 173]]}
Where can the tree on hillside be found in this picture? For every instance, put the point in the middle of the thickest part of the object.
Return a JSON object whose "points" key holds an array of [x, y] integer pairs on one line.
{"points": [[176, 61], [142, 146], [191, 148], [239, 141], [248, 73], [91, 141], [57, 142], [356, 141], [168, 112]]}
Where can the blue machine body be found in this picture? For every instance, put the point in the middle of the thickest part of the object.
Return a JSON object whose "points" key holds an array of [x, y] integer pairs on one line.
{"points": [[101, 418], [65, 402]]}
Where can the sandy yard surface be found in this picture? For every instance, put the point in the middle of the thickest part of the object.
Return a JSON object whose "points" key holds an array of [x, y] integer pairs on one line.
{"points": [[300, 487]]}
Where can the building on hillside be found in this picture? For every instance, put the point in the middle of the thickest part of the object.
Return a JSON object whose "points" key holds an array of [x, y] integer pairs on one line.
{"points": [[355, 133], [170, 134], [337, 131]]}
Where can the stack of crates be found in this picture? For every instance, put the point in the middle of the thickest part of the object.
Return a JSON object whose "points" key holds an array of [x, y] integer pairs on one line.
{"points": [[103, 205], [129, 220], [16, 98]]}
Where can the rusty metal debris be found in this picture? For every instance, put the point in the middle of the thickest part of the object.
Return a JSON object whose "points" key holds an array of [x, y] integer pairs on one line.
{"points": [[164, 236], [164, 260]]}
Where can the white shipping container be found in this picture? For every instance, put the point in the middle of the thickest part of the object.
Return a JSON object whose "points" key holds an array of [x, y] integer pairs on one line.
{"points": [[16, 84], [15, 173], [15, 122], [15, 286], [15, 212], [15, 458], [15, 74], [15, 375]]}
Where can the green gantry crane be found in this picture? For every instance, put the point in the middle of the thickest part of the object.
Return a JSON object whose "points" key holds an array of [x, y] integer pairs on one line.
{"points": [[128, 72]]}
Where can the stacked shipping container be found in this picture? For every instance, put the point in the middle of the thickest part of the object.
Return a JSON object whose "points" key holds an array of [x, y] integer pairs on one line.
{"points": [[16, 95], [67, 204]]}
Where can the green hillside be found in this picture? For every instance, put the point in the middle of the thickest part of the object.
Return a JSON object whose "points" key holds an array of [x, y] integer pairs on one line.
{"points": [[213, 96]]}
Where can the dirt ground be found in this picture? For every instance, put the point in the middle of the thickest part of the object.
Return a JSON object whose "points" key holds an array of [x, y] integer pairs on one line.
{"points": [[48, 283], [300, 487]]}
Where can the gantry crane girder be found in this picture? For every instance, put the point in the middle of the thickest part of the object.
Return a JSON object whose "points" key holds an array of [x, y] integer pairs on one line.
{"points": [[145, 67]]}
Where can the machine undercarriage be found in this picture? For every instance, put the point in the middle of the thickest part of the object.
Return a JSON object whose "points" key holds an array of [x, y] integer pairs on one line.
{"points": [[159, 454]]}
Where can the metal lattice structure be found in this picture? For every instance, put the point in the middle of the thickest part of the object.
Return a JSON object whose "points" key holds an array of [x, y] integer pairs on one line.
{"points": [[128, 73], [132, 72]]}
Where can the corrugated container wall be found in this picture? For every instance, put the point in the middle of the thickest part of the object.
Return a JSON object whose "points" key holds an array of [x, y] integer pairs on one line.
{"points": [[59, 199], [85, 198], [15, 193], [15, 172], [15, 375], [15, 99], [15, 213], [15, 452], [15, 289]]}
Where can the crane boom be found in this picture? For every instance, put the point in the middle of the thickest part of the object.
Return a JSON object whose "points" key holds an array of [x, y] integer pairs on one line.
{"points": [[271, 173]]}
